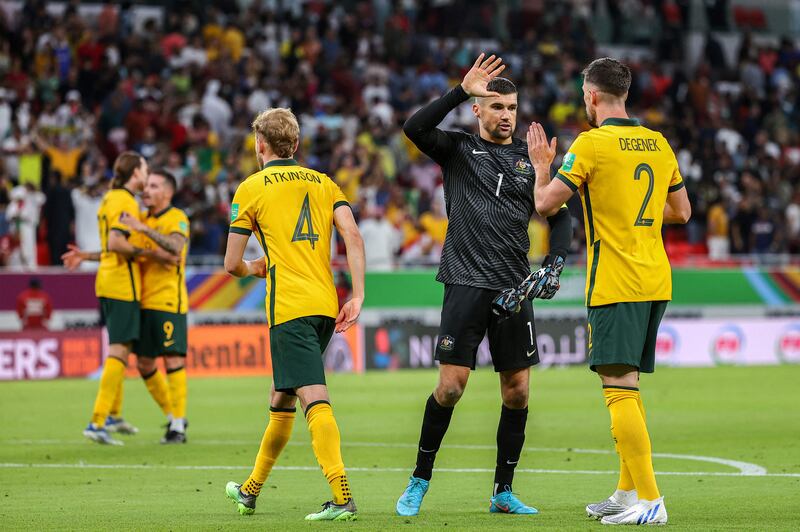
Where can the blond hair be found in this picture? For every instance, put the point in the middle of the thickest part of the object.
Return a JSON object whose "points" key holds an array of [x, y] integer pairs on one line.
{"points": [[279, 129]]}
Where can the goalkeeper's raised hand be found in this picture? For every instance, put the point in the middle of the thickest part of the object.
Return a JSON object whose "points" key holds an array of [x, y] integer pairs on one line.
{"points": [[481, 73]]}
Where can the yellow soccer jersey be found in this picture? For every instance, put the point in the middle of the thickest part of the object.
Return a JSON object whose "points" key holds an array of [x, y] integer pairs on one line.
{"points": [[117, 277], [624, 172], [164, 287], [290, 209]]}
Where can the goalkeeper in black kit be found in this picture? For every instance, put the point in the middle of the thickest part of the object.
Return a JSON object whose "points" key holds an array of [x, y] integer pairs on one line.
{"points": [[488, 184]]}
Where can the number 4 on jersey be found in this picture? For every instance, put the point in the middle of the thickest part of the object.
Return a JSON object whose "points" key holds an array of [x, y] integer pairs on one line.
{"points": [[303, 221]]}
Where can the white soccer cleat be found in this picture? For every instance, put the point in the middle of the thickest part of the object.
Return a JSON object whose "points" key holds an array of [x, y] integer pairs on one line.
{"points": [[100, 435], [619, 501], [641, 513]]}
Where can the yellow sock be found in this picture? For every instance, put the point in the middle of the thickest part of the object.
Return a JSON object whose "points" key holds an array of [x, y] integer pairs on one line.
{"points": [[326, 442], [157, 386], [633, 442], [277, 434], [177, 390], [625, 482], [116, 408], [113, 374]]}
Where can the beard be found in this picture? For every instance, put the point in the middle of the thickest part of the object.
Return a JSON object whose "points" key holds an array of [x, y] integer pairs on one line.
{"points": [[499, 134], [591, 117]]}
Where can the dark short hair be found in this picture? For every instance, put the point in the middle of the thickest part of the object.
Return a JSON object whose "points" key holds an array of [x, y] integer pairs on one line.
{"points": [[126, 163], [34, 283], [168, 177], [609, 75], [501, 85]]}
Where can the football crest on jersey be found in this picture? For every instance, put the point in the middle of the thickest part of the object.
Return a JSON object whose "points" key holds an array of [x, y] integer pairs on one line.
{"points": [[523, 167], [446, 343]]}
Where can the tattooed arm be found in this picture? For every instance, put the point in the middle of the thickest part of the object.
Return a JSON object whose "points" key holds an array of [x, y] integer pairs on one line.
{"points": [[171, 243]]}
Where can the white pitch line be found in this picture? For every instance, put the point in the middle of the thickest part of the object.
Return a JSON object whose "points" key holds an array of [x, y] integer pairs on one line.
{"points": [[745, 468], [368, 469]]}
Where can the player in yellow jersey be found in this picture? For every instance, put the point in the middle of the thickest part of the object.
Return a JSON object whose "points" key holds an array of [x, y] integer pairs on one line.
{"points": [[118, 287], [630, 184], [164, 301], [292, 211]]}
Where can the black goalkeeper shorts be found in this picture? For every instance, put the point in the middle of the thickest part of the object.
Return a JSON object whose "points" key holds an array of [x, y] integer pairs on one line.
{"points": [[467, 317]]}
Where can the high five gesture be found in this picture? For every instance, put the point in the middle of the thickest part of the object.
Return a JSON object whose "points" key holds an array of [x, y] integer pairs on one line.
{"points": [[481, 73]]}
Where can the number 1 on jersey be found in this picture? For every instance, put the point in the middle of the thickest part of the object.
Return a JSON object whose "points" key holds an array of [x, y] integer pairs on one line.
{"points": [[303, 221], [499, 182]]}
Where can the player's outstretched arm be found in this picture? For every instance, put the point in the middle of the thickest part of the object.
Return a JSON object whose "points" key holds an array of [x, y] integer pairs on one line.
{"points": [[234, 258], [548, 194], [421, 128], [346, 225], [75, 256], [677, 210]]}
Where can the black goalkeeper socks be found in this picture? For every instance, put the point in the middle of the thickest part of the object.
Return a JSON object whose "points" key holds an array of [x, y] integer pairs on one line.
{"points": [[434, 427], [510, 438]]}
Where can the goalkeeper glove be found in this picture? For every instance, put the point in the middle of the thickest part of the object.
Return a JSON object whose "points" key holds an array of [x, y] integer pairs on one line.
{"points": [[547, 280], [508, 303], [543, 283]]}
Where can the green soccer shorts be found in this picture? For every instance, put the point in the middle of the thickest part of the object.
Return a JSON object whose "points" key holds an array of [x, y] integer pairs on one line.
{"points": [[163, 333], [625, 333], [297, 347], [121, 319]]}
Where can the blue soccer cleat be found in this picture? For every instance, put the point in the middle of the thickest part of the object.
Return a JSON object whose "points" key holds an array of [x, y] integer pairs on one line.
{"points": [[506, 502], [409, 502]]}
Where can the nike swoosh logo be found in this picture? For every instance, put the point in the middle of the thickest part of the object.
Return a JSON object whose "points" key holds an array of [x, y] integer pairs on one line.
{"points": [[509, 462], [169, 343], [503, 507], [531, 353], [476, 152]]}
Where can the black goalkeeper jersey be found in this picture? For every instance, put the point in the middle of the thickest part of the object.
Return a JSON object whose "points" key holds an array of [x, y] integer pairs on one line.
{"points": [[488, 192]]}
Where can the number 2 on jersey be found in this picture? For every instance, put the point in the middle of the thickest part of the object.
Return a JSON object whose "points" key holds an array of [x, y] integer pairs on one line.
{"points": [[303, 221], [641, 221]]}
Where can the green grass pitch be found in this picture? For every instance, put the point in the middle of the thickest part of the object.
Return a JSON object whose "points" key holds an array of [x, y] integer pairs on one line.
{"points": [[50, 478]]}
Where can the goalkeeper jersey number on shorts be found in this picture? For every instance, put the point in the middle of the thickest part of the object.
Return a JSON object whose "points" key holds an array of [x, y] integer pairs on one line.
{"points": [[117, 277], [164, 286], [290, 210], [624, 172]]}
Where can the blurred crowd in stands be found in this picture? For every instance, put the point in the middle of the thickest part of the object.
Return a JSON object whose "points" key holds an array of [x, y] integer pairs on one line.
{"points": [[182, 87]]}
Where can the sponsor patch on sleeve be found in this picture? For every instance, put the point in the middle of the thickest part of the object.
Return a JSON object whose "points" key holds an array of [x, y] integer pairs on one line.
{"points": [[234, 211], [569, 161]]}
